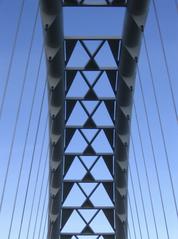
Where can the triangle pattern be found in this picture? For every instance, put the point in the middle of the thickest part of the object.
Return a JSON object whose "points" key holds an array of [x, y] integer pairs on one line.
{"points": [[100, 197], [89, 133], [101, 144], [87, 214], [102, 84], [73, 146], [78, 88], [88, 187], [74, 224], [91, 76], [105, 120], [104, 61], [76, 61], [92, 46], [74, 201], [90, 105], [88, 160], [77, 117], [70, 45], [74, 174], [100, 171], [104, 227]]}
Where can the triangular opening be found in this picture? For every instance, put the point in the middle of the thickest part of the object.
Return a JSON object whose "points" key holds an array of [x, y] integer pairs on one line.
{"points": [[70, 45], [103, 87], [104, 61], [74, 174], [104, 227], [89, 133], [72, 200], [90, 105], [87, 214], [74, 225], [78, 88], [77, 117], [101, 144], [91, 76], [88, 187], [100, 197], [88, 160], [74, 146], [92, 45], [100, 171], [76, 61], [105, 120]]}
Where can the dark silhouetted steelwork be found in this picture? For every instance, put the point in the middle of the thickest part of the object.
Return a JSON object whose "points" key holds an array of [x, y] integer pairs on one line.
{"points": [[125, 53], [131, 42], [51, 12]]}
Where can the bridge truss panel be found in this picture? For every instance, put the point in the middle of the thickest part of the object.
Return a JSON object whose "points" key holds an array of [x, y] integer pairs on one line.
{"points": [[90, 104]]}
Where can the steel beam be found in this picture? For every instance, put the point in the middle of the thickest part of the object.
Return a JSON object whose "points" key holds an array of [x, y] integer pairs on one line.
{"points": [[52, 22], [135, 19]]}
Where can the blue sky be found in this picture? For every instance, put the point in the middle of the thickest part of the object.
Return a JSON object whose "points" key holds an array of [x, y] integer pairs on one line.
{"points": [[89, 22]]}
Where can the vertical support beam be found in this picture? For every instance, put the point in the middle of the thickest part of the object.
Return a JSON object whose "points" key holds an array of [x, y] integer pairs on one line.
{"points": [[52, 22], [135, 19]]}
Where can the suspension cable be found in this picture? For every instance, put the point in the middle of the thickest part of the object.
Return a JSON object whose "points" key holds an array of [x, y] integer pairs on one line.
{"points": [[25, 145], [39, 200], [153, 153], [18, 111], [43, 209], [135, 203], [44, 226], [11, 57], [161, 127], [32, 161], [165, 60], [37, 177], [140, 188], [132, 218]]}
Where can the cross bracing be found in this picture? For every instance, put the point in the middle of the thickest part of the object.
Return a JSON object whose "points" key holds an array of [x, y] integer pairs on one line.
{"points": [[91, 83], [120, 71]]}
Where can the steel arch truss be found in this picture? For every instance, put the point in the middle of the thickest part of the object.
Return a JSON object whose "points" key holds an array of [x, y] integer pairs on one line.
{"points": [[90, 103]]}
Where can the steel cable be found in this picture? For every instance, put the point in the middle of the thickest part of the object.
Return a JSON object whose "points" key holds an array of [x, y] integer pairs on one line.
{"points": [[135, 203], [132, 218], [161, 127], [43, 209], [147, 178], [165, 60], [25, 144], [11, 57], [32, 161], [44, 226], [140, 188], [39, 200], [37, 178], [18, 112], [153, 153]]}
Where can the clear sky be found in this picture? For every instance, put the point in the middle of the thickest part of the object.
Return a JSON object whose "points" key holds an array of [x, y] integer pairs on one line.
{"points": [[89, 22]]}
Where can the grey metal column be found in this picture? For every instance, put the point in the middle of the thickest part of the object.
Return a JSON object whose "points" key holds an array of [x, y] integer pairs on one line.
{"points": [[51, 11], [135, 18]]}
